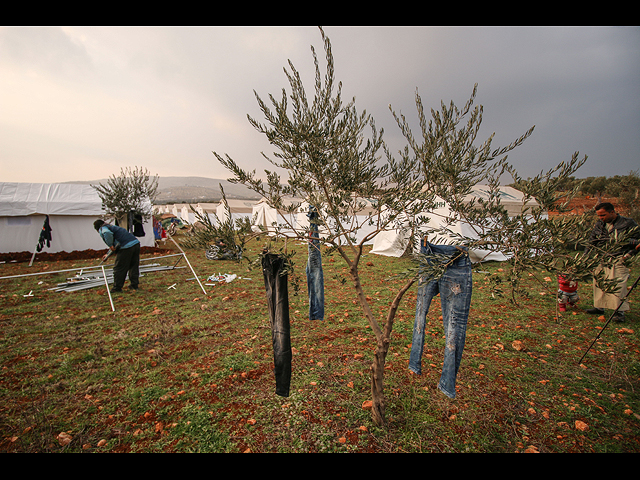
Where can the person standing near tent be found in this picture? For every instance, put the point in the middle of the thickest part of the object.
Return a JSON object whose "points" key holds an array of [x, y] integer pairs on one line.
{"points": [[127, 248], [611, 223]]}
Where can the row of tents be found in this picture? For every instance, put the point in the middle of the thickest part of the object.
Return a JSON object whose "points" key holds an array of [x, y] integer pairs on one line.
{"points": [[391, 242], [72, 208]]}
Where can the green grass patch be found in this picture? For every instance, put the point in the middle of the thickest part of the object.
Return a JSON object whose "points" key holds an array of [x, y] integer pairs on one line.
{"points": [[174, 369]]}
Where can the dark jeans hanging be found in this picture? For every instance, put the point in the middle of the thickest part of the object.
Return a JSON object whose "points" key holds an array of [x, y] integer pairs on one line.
{"points": [[455, 288], [275, 283], [315, 277]]}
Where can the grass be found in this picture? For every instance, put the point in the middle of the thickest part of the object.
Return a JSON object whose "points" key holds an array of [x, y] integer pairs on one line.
{"points": [[175, 370]]}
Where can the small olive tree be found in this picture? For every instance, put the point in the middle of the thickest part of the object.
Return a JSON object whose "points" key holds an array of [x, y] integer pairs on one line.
{"points": [[332, 163], [134, 190]]}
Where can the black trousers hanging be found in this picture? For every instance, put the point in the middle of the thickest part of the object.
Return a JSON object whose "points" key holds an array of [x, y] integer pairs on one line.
{"points": [[278, 301]]}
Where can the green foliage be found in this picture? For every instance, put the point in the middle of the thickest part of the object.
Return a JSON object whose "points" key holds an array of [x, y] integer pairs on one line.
{"points": [[232, 234], [332, 165], [626, 188], [133, 190]]}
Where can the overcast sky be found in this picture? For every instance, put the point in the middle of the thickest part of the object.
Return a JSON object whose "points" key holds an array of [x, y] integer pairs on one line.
{"points": [[80, 103]]}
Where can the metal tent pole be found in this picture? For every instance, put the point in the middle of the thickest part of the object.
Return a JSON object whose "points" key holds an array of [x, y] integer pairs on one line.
{"points": [[83, 268], [188, 263], [113, 309], [34, 255], [46, 273]]}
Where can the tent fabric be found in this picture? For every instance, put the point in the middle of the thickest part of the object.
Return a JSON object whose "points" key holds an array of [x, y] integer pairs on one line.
{"points": [[264, 216], [237, 207], [510, 198], [72, 209], [207, 210], [394, 242], [18, 199]]}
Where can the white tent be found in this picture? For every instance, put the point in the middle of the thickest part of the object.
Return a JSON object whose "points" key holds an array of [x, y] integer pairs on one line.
{"points": [[511, 199], [207, 210], [393, 243], [161, 209], [271, 219], [358, 224], [72, 209], [264, 216], [238, 209], [181, 211], [187, 215]]}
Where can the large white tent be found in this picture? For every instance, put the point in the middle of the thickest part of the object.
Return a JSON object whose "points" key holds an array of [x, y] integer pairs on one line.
{"points": [[72, 209], [394, 242], [181, 211]]}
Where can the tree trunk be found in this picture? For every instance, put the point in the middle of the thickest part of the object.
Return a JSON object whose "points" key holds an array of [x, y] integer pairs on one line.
{"points": [[377, 385], [383, 336]]}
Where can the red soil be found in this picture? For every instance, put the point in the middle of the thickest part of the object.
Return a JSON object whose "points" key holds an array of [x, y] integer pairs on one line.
{"points": [[75, 255]]}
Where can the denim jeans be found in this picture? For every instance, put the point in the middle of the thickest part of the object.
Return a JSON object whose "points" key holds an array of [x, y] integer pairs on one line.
{"points": [[315, 277], [455, 288], [275, 283]]}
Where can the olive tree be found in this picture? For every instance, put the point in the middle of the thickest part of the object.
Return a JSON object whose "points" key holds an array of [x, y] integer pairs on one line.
{"points": [[335, 159], [134, 190]]}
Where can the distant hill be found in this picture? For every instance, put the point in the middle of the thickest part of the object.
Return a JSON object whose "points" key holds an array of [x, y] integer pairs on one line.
{"points": [[194, 189], [199, 189]]}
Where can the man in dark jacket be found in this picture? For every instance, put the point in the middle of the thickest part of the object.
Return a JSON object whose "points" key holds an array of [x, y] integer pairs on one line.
{"points": [[127, 248], [611, 223]]}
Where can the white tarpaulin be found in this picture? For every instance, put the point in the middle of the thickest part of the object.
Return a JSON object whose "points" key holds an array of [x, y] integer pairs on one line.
{"points": [[207, 210], [19, 199], [72, 209], [394, 242]]}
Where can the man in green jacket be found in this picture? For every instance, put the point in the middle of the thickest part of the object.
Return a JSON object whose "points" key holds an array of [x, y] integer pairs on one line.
{"points": [[127, 248], [608, 224]]}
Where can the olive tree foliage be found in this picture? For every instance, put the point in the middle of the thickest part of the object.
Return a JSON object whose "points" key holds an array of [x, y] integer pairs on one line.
{"points": [[232, 233], [133, 190], [336, 160]]}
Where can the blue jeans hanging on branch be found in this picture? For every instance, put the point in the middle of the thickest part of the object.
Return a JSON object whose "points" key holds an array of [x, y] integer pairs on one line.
{"points": [[315, 277], [455, 288]]}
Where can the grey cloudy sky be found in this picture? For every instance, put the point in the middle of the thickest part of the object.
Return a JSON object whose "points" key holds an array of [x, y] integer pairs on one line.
{"points": [[80, 103]]}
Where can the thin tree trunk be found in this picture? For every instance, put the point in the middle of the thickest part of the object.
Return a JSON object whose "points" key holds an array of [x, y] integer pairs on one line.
{"points": [[378, 409]]}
